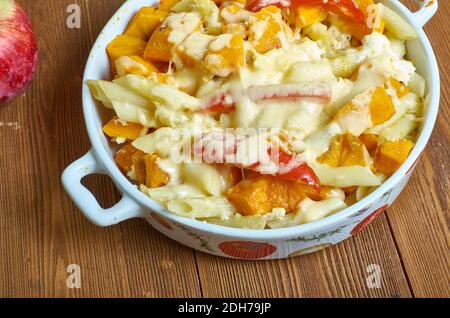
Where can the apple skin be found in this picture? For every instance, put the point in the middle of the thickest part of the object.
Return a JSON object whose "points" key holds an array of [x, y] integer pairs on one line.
{"points": [[18, 50]]}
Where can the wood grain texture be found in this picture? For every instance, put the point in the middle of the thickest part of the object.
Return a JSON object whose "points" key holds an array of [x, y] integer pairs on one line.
{"points": [[339, 271], [419, 219], [42, 232]]}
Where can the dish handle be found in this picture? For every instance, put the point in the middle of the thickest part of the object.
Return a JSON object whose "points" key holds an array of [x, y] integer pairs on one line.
{"points": [[125, 209], [427, 10]]}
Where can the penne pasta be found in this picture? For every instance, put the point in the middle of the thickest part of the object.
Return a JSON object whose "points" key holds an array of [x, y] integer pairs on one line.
{"points": [[309, 211], [395, 24], [345, 176], [202, 207]]}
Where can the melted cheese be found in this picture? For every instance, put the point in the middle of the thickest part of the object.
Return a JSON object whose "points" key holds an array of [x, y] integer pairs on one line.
{"points": [[181, 25]]}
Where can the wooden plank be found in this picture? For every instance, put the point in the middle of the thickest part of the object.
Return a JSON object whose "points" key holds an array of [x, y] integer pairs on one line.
{"points": [[420, 217], [41, 231], [338, 271]]}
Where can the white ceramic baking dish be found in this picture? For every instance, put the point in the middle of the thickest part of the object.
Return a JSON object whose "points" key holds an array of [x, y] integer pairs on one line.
{"points": [[225, 241]]}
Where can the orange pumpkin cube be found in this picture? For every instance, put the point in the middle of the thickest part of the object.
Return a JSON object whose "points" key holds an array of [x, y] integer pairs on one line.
{"points": [[158, 47], [350, 190], [267, 28], [123, 157], [353, 152], [263, 193], [333, 155], [145, 21], [400, 88], [381, 106], [124, 45], [391, 154], [225, 54], [117, 128], [315, 195], [155, 176], [166, 5], [370, 141], [140, 167], [345, 150], [305, 15]]}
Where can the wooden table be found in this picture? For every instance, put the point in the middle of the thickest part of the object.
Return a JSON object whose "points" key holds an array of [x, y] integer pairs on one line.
{"points": [[42, 232]]}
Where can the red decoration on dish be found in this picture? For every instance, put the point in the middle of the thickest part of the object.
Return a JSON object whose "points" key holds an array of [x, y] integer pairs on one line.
{"points": [[414, 164], [368, 219], [247, 250]]}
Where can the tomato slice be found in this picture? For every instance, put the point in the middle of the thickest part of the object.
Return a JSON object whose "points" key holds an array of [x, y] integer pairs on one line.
{"points": [[315, 92], [216, 146], [295, 170], [221, 103], [346, 8]]}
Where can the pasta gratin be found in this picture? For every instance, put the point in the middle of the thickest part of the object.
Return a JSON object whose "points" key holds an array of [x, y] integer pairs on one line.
{"points": [[263, 113]]}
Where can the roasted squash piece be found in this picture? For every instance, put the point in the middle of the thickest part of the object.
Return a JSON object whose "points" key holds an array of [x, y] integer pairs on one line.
{"points": [[123, 157], [261, 194], [391, 154], [124, 45], [173, 31], [145, 21], [134, 65], [267, 29], [140, 168], [345, 150], [230, 175], [353, 152], [315, 195], [225, 54], [333, 155], [400, 88], [305, 15], [117, 128], [158, 47], [349, 190], [381, 106], [370, 141], [166, 5], [155, 176], [147, 170], [378, 105]]}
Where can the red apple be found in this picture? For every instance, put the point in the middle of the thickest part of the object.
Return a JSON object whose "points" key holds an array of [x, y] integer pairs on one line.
{"points": [[18, 51]]}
